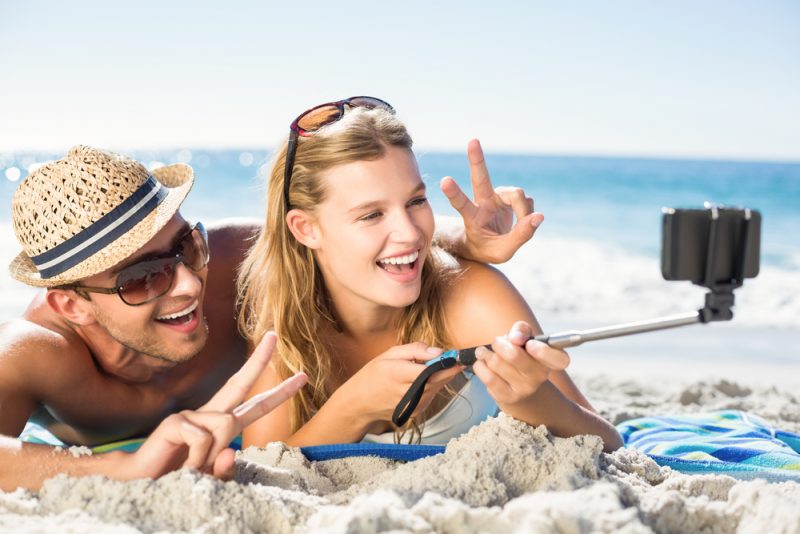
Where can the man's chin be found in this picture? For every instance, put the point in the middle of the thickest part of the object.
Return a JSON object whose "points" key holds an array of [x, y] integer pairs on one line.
{"points": [[191, 347]]}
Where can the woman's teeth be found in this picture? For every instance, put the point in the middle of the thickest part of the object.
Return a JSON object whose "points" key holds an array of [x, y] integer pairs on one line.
{"points": [[400, 260], [399, 264]]}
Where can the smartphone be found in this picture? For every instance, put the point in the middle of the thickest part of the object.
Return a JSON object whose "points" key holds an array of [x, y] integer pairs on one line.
{"points": [[712, 246]]}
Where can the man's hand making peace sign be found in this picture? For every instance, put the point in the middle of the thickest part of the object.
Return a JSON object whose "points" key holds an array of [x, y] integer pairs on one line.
{"points": [[199, 439]]}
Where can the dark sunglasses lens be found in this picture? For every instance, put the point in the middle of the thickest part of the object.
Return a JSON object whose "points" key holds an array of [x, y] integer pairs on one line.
{"points": [[319, 117], [194, 249], [369, 103], [146, 281]]}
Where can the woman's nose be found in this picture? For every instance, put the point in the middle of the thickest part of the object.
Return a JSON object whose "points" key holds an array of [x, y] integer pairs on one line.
{"points": [[406, 229]]}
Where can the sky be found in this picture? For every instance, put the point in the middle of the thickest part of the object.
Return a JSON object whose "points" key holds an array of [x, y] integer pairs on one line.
{"points": [[685, 79]]}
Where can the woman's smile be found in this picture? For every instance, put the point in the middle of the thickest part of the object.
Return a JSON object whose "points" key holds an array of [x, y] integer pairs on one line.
{"points": [[401, 268]]}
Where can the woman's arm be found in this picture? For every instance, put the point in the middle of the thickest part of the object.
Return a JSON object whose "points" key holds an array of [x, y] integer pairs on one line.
{"points": [[528, 385], [275, 426], [365, 399], [333, 423]]}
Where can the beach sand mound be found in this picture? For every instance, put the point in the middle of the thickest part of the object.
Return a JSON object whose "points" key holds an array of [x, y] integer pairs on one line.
{"points": [[501, 477]]}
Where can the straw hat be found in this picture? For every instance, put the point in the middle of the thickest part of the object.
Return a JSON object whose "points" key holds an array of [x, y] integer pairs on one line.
{"points": [[83, 214]]}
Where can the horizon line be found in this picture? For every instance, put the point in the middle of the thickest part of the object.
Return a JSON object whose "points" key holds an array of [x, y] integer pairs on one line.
{"points": [[421, 151]]}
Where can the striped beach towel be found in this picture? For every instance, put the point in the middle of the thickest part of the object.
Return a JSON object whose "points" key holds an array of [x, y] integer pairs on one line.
{"points": [[729, 442], [34, 433]]}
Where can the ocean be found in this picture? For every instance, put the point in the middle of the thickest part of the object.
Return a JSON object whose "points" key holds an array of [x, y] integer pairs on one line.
{"points": [[595, 259]]}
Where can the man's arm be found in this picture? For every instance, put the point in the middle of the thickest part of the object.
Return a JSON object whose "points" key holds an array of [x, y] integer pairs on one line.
{"points": [[27, 465], [17, 398], [487, 232], [195, 439]]}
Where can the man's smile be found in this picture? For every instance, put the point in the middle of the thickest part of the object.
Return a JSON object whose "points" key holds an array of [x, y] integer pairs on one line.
{"points": [[184, 320]]}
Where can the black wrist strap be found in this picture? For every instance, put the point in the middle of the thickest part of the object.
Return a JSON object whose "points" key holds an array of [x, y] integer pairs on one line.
{"points": [[465, 357], [410, 400]]}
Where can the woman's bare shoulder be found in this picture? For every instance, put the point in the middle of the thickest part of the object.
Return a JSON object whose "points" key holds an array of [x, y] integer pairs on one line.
{"points": [[481, 303]]}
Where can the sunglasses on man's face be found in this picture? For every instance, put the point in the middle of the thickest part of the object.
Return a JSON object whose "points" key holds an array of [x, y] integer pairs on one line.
{"points": [[315, 118], [149, 279]]}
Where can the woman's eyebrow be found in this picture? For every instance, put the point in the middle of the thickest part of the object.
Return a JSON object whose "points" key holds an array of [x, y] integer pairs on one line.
{"points": [[370, 204], [366, 205]]}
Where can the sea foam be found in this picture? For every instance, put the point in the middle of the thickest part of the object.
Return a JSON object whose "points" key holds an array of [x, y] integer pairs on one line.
{"points": [[571, 280]]}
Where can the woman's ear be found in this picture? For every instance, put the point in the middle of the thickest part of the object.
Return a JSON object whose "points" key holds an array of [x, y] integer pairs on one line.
{"points": [[68, 304], [303, 227]]}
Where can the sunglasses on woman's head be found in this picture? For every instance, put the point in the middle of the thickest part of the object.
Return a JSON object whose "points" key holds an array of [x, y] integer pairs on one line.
{"points": [[315, 118], [146, 280]]}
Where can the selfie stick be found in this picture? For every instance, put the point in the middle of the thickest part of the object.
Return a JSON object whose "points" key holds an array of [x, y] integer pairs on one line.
{"points": [[719, 302]]}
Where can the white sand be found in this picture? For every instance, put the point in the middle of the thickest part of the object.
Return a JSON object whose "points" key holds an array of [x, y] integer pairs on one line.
{"points": [[502, 476]]}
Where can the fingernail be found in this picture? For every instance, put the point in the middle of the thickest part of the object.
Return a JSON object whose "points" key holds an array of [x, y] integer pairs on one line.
{"points": [[300, 376], [434, 350], [535, 222], [480, 352], [515, 336]]}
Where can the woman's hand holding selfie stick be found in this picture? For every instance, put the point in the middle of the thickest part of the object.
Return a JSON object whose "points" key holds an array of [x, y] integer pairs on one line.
{"points": [[716, 248]]}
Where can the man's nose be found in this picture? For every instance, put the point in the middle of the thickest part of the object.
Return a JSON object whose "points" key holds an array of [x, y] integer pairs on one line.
{"points": [[186, 283]]}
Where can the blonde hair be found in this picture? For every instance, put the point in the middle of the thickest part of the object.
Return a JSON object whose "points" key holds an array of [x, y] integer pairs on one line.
{"points": [[280, 284]]}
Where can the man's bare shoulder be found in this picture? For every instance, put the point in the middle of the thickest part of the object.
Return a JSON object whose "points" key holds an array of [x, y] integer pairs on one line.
{"points": [[232, 236], [228, 241], [26, 340], [36, 360], [37, 365]]}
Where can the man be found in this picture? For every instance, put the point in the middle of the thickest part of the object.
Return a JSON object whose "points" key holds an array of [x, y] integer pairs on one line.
{"points": [[136, 332]]}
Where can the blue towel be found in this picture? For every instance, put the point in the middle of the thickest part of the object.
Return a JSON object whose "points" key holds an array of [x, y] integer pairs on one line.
{"points": [[728, 442], [401, 452]]}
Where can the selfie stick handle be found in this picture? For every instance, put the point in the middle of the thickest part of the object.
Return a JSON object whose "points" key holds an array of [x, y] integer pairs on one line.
{"points": [[573, 338]]}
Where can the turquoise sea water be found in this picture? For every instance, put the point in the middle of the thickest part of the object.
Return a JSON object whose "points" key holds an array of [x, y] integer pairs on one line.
{"points": [[620, 200], [612, 200], [595, 258], [606, 200]]}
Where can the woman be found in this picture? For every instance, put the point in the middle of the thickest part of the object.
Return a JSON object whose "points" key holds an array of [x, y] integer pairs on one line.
{"points": [[360, 299]]}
